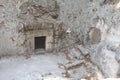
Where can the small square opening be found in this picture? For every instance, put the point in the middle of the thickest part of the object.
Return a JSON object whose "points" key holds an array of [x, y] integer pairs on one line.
{"points": [[40, 42]]}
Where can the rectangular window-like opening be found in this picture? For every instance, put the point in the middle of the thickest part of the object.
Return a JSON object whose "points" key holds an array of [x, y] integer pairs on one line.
{"points": [[40, 42]]}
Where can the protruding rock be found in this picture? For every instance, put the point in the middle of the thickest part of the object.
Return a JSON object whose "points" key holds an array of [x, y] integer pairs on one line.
{"points": [[94, 35]]}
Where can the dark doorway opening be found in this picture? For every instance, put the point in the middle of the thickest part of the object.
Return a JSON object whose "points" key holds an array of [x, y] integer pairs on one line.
{"points": [[40, 42]]}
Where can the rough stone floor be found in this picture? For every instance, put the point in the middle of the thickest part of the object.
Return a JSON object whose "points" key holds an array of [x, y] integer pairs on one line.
{"points": [[37, 67]]}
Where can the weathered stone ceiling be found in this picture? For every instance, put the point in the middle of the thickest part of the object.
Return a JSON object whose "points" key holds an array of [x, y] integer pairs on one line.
{"points": [[113, 2], [38, 8]]}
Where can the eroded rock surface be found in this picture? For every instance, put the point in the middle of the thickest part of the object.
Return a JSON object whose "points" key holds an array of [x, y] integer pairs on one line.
{"points": [[78, 16]]}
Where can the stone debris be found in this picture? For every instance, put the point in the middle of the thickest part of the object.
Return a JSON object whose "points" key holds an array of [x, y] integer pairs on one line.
{"points": [[74, 65]]}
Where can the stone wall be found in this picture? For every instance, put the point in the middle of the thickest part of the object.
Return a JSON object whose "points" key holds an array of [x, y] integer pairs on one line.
{"points": [[54, 32], [103, 42]]}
